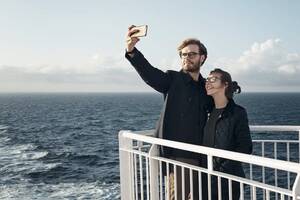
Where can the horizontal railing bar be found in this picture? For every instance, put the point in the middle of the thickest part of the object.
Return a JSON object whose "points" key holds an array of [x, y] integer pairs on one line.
{"points": [[146, 132], [267, 162], [274, 128], [137, 152], [278, 141], [144, 146]]}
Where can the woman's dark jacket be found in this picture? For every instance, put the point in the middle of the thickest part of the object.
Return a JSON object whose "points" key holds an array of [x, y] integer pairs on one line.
{"points": [[232, 133]]}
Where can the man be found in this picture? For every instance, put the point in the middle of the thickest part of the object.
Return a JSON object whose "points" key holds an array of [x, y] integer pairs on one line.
{"points": [[184, 112]]}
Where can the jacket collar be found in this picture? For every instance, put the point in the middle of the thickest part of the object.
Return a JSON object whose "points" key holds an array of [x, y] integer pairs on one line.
{"points": [[229, 107], [188, 79], [227, 110]]}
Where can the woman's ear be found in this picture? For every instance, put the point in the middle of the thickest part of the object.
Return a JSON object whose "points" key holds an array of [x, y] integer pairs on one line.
{"points": [[226, 84]]}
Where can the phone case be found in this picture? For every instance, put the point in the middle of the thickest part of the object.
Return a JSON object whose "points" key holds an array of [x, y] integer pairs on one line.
{"points": [[142, 31]]}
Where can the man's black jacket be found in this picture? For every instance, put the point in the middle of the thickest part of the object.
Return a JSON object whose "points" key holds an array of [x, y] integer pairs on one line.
{"points": [[183, 115]]}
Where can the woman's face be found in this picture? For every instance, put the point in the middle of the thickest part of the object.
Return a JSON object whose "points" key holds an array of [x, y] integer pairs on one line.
{"points": [[214, 85]]}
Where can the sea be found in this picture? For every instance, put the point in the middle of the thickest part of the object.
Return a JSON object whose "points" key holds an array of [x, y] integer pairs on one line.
{"points": [[65, 145]]}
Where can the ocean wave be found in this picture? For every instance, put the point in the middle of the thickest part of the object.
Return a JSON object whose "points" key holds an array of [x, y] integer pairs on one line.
{"points": [[3, 129], [5, 139], [19, 160], [27, 167], [48, 172], [44, 167], [89, 159]]}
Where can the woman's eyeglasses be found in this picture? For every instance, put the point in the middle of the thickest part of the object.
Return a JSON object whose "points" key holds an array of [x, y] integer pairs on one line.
{"points": [[212, 79]]}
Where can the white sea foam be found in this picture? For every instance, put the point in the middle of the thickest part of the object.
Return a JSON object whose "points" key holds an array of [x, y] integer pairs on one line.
{"points": [[22, 158], [86, 190], [16, 151], [23, 147], [34, 155], [3, 127], [93, 190], [43, 167]]}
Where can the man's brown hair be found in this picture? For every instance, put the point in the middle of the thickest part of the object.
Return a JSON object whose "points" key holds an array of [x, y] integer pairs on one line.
{"points": [[186, 42]]}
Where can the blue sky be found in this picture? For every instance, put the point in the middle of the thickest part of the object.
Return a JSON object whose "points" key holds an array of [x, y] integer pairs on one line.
{"points": [[78, 46]]}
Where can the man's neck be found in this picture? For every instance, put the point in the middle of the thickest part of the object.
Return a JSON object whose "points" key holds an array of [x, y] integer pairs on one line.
{"points": [[194, 75]]}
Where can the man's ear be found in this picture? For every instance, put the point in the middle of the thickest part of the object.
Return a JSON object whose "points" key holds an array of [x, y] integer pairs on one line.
{"points": [[202, 58]]}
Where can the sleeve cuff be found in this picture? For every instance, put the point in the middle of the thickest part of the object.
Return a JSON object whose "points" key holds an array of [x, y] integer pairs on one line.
{"points": [[131, 52]]}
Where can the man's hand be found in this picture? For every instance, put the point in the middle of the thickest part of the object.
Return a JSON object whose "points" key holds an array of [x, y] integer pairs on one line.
{"points": [[131, 41]]}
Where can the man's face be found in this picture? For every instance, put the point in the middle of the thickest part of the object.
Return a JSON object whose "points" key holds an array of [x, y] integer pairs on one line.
{"points": [[191, 59]]}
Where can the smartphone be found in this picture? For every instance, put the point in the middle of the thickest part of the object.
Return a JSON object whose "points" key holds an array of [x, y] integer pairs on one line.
{"points": [[142, 31]]}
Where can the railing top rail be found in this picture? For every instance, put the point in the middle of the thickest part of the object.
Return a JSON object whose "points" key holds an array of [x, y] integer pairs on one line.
{"points": [[274, 128], [267, 162]]}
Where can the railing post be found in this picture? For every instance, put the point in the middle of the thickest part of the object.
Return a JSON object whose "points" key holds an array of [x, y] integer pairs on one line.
{"points": [[296, 188], [209, 163], [299, 145], [210, 169], [154, 168], [126, 168]]}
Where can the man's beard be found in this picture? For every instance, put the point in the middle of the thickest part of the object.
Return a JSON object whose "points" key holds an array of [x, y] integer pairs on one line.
{"points": [[193, 67]]}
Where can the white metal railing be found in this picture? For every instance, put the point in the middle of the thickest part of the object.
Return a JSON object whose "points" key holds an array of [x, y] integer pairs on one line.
{"points": [[272, 172], [288, 146]]}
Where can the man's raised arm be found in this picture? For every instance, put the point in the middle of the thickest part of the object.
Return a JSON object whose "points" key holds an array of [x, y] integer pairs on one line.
{"points": [[154, 77]]}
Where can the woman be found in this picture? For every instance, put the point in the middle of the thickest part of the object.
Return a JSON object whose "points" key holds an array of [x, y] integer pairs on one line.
{"points": [[226, 128]]}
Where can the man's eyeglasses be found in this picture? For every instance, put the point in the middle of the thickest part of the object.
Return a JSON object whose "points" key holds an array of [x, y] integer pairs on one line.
{"points": [[189, 54], [212, 79]]}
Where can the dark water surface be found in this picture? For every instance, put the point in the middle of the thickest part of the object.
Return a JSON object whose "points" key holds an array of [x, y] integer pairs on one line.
{"points": [[56, 146]]}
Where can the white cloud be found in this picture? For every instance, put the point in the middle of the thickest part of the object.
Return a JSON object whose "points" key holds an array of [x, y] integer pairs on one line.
{"points": [[108, 62], [100, 73], [265, 64], [287, 69], [96, 64]]}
